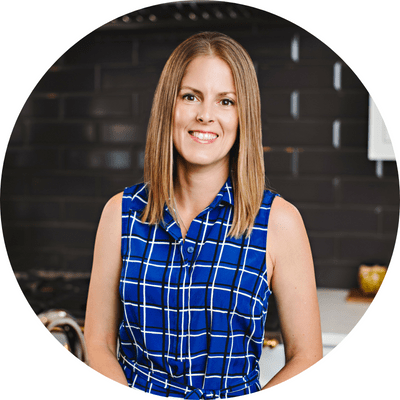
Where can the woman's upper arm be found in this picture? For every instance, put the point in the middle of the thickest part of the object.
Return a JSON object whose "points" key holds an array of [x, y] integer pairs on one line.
{"points": [[293, 282], [102, 310]]}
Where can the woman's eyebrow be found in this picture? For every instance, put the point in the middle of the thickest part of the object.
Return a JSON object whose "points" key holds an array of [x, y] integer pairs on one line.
{"points": [[190, 88], [225, 93], [196, 91]]}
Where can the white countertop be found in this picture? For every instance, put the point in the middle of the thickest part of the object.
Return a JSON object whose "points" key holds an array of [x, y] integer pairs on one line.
{"points": [[337, 314], [338, 318]]}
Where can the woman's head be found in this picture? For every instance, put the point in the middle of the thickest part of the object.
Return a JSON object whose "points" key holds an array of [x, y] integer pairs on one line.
{"points": [[246, 155]]}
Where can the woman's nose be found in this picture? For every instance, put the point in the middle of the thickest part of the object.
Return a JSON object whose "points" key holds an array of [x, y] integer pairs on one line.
{"points": [[205, 114]]}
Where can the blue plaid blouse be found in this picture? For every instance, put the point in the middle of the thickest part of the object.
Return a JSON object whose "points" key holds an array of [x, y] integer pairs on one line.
{"points": [[193, 311]]}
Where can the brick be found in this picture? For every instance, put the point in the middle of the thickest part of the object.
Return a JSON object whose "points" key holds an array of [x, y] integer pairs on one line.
{"points": [[18, 210], [130, 78], [119, 132], [371, 191], [303, 190], [61, 132], [40, 107], [390, 169], [322, 247], [312, 48], [46, 237], [335, 163], [109, 47], [390, 221], [13, 235], [142, 110], [336, 274], [367, 250], [295, 76], [277, 162], [354, 133], [291, 133], [11, 184], [156, 50], [79, 211], [97, 159], [32, 158], [98, 106], [58, 80], [272, 43], [42, 185], [79, 263], [333, 104], [275, 103], [238, 32], [350, 79], [33, 260], [18, 133], [113, 184], [330, 219]]}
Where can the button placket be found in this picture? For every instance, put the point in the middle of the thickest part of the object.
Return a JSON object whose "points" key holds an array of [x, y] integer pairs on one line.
{"points": [[189, 252], [182, 320]]}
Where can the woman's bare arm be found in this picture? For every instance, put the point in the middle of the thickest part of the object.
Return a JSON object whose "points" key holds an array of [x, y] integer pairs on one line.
{"points": [[293, 283], [103, 304]]}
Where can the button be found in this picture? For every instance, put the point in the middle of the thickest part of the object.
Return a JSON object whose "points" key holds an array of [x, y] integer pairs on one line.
{"points": [[190, 249]]}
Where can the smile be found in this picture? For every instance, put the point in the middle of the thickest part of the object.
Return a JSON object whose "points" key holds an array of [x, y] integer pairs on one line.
{"points": [[207, 137]]}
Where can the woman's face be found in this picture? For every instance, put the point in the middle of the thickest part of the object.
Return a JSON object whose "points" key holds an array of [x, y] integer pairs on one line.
{"points": [[206, 115]]}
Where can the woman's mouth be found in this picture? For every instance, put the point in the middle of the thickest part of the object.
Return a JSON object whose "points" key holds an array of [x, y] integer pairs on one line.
{"points": [[203, 137]]}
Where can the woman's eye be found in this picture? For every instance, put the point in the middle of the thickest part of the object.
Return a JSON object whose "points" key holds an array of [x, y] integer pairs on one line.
{"points": [[227, 102], [189, 97]]}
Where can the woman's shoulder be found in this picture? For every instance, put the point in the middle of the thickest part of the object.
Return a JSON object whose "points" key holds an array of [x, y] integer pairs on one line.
{"points": [[286, 231], [113, 207], [121, 200], [284, 218]]}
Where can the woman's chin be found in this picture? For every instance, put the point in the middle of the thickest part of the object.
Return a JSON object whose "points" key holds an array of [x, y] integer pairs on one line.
{"points": [[206, 163]]}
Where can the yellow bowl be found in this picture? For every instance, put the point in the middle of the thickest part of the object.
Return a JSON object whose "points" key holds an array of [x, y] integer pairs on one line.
{"points": [[370, 278]]}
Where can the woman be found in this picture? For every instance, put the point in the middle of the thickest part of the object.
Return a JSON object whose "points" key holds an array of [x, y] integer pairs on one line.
{"points": [[193, 267]]}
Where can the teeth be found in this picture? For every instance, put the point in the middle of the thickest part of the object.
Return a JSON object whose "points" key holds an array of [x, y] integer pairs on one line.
{"points": [[203, 136]]}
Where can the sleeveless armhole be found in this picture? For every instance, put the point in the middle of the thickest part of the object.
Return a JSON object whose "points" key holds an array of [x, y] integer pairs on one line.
{"points": [[124, 217], [269, 197], [126, 212], [127, 197]]}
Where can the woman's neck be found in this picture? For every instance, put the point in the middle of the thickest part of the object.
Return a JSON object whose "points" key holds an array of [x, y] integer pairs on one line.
{"points": [[196, 188]]}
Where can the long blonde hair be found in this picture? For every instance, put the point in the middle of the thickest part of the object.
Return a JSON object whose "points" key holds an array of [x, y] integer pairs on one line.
{"points": [[246, 156]]}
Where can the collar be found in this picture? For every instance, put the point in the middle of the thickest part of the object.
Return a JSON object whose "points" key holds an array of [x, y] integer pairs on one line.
{"points": [[225, 196], [140, 199]]}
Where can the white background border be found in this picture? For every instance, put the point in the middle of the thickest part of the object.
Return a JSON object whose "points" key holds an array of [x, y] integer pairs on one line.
{"points": [[35, 34]]}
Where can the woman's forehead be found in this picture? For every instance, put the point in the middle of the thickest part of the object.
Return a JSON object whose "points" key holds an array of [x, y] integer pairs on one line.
{"points": [[209, 70]]}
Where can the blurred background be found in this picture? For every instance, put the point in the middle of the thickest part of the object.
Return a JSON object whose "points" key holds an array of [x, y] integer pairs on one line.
{"points": [[81, 134]]}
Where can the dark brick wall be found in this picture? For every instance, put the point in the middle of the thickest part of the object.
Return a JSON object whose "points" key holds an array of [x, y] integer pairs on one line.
{"points": [[80, 139]]}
